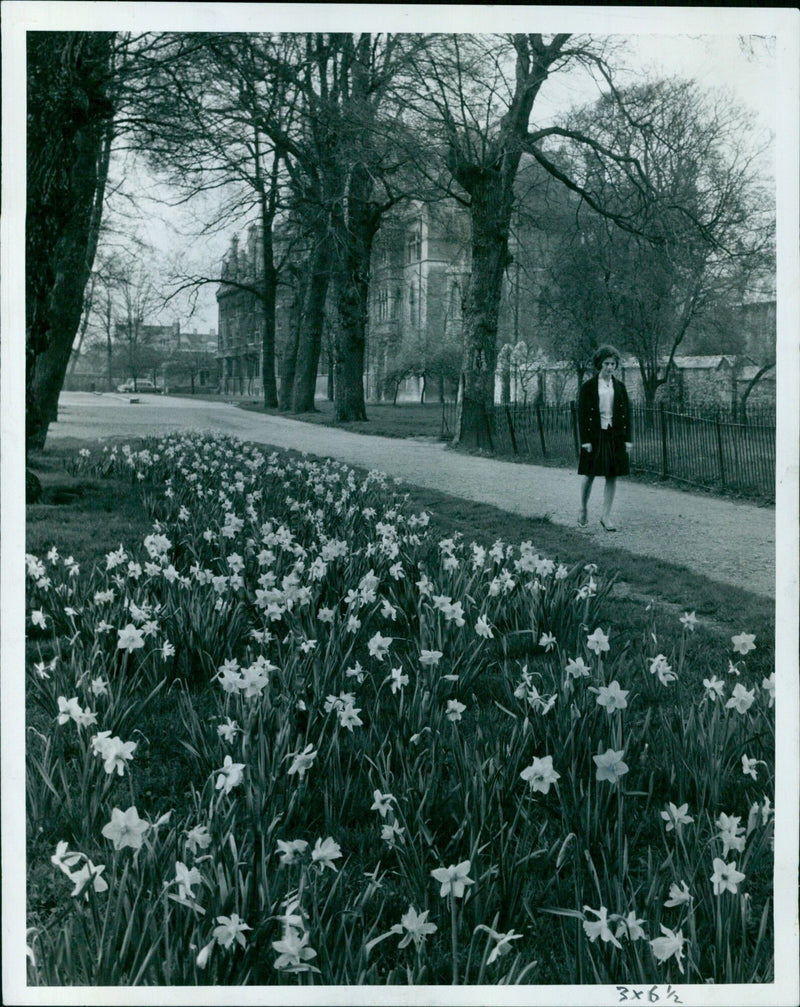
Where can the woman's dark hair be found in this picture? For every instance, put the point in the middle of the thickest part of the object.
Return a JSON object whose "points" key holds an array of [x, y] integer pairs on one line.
{"points": [[603, 353]]}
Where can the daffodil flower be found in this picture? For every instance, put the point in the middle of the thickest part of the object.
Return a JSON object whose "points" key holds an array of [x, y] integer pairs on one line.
{"points": [[540, 774], [741, 699], [725, 877], [414, 927], [743, 643], [294, 953], [675, 816], [125, 829], [230, 775], [502, 944], [453, 879], [631, 927], [669, 945], [64, 859], [599, 928], [597, 642], [230, 929], [186, 878], [129, 639], [577, 668], [325, 852], [382, 803], [289, 850], [612, 697], [610, 766], [89, 872], [678, 895], [454, 710]]}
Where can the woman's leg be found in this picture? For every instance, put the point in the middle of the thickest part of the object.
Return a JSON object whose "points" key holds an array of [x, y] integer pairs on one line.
{"points": [[608, 498], [586, 489]]}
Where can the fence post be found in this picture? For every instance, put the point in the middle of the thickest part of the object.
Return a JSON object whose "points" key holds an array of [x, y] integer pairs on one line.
{"points": [[719, 451], [664, 464], [511, 430], [574, 415], [541, 429]]}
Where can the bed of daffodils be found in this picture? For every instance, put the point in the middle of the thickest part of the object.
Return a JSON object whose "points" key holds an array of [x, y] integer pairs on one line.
{"points": [[408, 759]]}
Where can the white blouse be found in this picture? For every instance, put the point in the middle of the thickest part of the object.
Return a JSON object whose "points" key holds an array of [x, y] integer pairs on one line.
{"points": [[605, 392]]}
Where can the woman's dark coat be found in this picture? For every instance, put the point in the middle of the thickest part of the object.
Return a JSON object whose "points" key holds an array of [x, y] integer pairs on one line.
{"points": [[589, 424]]}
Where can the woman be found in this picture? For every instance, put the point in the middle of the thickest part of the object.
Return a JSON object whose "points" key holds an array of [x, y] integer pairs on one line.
{"points": [[605, 431]]}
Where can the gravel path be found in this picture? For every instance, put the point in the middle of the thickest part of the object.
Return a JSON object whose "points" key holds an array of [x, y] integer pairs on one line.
{"points": [[726, 541]]}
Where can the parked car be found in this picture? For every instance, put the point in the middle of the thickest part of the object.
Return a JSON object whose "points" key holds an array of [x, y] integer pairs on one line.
{"points": [[141, 385]]}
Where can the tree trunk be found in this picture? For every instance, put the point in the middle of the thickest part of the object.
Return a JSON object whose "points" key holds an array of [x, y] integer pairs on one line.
{"points": [[354, 243], [491, 206], [313, 320], [69, 137]]}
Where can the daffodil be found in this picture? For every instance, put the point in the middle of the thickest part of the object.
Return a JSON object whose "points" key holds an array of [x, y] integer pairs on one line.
{"points": [[502, 945], [454, 710], [715, 688], [129, 639], [430, 657], [414, 927], [597, 642], [631, 927], [89, 873], [325, 852], [397, 679], [577, 668], [302, 761], [741, 699], [186, 878], [610, 766], [125, 829], [725, 877], [679, 895], [599, 927], [743, 643], [675, 816], [231, 775], [294, 953], [198, 838], [378, 646], [669, 945], [482, 628], [382, 803], [612, 697], [540, 774], [289, 850], [453, 880], [230, 929], [64, 859]]}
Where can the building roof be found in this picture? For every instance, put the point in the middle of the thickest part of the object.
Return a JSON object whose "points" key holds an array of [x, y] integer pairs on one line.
{"points": [[702, 363]]}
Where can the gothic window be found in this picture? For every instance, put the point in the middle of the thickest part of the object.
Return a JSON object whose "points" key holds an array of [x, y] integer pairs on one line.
{"points": [[414, 244]]}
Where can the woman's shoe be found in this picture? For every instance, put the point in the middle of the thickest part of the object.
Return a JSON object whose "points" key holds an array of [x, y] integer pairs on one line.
{"points": [[583, 520], [607, 525]]}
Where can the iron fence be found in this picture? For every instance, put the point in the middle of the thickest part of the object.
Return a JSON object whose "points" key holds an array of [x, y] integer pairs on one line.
{"points": [[707, 449]]}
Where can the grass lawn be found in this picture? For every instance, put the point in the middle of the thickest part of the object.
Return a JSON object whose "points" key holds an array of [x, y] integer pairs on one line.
{"points": [[409, 419]]}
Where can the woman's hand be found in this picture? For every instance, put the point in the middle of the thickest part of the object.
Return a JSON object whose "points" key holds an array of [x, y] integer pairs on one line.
{"points": [[628, 445], [586, 447]]}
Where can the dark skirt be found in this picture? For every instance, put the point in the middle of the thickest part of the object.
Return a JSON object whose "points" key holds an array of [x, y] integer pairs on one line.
{"points": [[608, 457]]}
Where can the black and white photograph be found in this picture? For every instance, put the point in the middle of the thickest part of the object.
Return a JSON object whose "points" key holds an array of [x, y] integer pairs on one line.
{"points": [[402, 605]]}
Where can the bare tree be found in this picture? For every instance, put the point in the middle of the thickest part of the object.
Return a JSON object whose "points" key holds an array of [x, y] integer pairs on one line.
{"points": [[706, 221], [480, 92]]}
